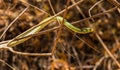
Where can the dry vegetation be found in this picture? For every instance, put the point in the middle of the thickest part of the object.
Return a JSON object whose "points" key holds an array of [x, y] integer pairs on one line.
{"points": [[70, 51]]}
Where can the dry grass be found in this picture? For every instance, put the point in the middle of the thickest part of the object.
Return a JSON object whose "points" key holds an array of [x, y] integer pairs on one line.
{"points": [[56, 47]]}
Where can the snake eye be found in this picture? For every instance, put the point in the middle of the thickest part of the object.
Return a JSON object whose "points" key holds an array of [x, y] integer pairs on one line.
{"points": [[87, 30]]}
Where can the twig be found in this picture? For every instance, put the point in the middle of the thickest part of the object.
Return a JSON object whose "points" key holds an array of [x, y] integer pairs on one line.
{"points": [[68, 8], [89, 11], [4, 46], [77, 57], [7, 64], [29, 54], [98, 63], [109, 65], [78, 8], [23, 1], [94, 16], [114, 2], [107, 50], [80, 11], [87, 43], [13, 22]]}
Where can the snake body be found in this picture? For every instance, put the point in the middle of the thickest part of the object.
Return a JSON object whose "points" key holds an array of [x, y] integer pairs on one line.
{"points": [[41, 25]]}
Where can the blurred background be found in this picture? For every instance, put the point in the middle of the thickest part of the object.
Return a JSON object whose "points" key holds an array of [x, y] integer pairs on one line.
{"points": [[98, 50]]}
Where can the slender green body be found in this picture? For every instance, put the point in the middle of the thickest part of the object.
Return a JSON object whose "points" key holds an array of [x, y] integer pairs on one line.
{"points": [[32, 30], [73, 28], [41, 25]]}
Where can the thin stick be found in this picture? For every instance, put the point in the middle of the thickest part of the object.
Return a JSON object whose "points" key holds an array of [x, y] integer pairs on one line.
{"points": [[114, 2], [107, 50], [56, 39], [13, 22], [97, 15], [23, 1], [7, 64], [87, 43], [98, 63], [89, 11], [81, 12], [78, 8], [68, 8], [60, 28], [30, 54], [77, 57], [4, 46]]}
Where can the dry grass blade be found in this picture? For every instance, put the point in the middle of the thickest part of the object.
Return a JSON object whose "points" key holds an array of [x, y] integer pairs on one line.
{"points": [[114, 2], [13, 22], [54, 43], [107, 50], [93, 7], [7, 64]]}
